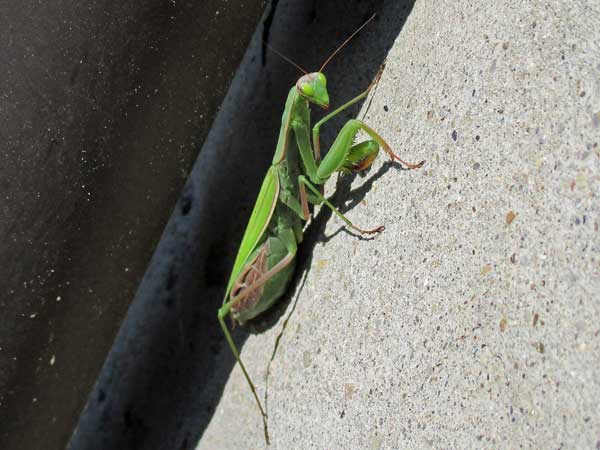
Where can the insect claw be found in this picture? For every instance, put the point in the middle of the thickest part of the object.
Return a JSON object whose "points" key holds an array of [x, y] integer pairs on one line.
{"points": [[373, 231], [416, 166], [409, 166]]}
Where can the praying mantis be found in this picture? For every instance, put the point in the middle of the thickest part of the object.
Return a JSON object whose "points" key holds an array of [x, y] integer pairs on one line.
{"points": [[265, 261]]}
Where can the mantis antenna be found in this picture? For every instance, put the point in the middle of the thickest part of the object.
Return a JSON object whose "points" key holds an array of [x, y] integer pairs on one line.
{"points": [[345, 42], [285, 58]]}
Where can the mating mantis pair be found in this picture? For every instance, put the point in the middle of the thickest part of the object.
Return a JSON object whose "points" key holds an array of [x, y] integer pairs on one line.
{"points": [[265, 261]]}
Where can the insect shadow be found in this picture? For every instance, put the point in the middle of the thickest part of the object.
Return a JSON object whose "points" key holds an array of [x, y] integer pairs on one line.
{"points": [[315, 232], [352, 197]]}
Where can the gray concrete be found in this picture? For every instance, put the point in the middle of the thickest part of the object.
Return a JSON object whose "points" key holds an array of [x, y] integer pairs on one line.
{"points": [[473, 320]]}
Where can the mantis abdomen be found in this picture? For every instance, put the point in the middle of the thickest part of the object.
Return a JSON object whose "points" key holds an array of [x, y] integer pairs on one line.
{"points": [[265, 276]]}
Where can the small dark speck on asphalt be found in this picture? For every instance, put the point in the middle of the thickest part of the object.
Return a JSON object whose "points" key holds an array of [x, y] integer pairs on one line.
{"points": [[454, 135]]}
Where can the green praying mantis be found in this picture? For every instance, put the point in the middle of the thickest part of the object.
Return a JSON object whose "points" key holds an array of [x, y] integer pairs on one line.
{"points": [[265, 261]]}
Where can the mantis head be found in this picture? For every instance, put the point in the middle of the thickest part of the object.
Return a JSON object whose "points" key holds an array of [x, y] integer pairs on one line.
{"points": [[313, 87]]}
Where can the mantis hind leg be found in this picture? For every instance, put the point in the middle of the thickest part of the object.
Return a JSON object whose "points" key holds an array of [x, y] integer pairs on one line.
{"points": [[224, 312], [288, 246]]}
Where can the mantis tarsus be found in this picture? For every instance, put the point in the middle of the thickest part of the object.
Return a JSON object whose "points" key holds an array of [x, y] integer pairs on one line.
{"points": [[265, 261]]}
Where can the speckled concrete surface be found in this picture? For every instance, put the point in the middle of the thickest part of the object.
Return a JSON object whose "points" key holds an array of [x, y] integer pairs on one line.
{"points": [[473, 321]]}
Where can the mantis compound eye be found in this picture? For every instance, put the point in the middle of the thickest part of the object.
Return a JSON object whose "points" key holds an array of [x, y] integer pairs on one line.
{"points": [[307, 89], [322, 79]]}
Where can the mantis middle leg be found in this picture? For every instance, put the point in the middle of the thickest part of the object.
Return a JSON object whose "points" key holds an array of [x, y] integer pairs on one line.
{"points": [[303, 181]]}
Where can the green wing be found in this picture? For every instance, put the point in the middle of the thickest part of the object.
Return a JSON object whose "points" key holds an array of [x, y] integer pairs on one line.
{"points": [[261, 215], [284, 131]]}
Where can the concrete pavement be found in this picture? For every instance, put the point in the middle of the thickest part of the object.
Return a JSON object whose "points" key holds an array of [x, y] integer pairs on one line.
{"points": [[472, 321]]}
